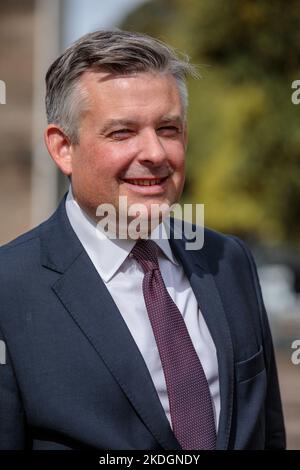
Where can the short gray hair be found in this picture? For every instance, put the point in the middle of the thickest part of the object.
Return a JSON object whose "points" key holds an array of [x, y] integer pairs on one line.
{"points": [[115, 51]]}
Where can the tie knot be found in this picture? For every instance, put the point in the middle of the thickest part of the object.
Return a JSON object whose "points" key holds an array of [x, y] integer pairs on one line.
{"points": [[145, 252]]}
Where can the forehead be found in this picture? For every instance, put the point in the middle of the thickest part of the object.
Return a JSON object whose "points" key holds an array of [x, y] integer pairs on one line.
{"points": [[147, 90]]}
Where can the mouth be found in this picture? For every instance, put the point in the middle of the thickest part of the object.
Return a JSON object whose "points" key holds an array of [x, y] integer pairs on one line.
{"points": [[147, 186], [145, 181]]}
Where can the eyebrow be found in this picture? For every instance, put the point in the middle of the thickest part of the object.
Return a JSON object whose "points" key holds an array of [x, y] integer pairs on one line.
{"points": [[116, 122], [111, 123], [176, 119]]}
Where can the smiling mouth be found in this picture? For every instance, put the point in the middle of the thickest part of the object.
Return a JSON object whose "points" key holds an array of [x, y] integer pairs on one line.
{"points": [[145, 181]]}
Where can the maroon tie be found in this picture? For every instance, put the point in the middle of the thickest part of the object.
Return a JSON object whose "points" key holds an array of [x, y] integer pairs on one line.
{"points": [[189, 397]]}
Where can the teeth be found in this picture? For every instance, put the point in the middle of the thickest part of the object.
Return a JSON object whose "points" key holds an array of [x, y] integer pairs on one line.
{"points": [[145, 182]]}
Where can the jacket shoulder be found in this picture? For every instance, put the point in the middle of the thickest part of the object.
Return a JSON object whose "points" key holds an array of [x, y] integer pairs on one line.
{"points": [[27, 238], [23, 251], [21, 240], [229, 246]]}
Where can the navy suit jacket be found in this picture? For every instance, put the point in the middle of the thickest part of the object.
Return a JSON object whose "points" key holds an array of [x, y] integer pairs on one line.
{"points": [[73, 376]]}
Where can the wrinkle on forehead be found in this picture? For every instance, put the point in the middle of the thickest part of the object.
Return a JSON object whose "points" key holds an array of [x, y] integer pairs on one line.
{"points": [[122, 96], [90, 79]]}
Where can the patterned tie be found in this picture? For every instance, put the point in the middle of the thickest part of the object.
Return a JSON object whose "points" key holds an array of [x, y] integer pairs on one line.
{"points": [[189, 397]]}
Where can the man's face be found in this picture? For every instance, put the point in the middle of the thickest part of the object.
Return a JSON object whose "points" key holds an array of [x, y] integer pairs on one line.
{"points": [[132, 141]]}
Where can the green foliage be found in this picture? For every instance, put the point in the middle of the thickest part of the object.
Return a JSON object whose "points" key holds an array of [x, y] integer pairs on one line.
{"points": [[244, 131]]}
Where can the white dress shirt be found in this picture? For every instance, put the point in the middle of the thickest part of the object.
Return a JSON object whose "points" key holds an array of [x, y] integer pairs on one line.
{"points": [[123, 277]]}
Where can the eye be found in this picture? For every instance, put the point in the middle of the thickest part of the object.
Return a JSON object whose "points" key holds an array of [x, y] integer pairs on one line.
{"points": [[169, 131], [120, 134]]}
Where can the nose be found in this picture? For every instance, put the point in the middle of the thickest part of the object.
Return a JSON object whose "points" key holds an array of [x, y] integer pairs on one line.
{"points": [[152, 149]]}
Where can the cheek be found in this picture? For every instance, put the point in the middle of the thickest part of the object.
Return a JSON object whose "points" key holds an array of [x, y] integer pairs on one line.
{"points": [[178, 159], [111, 159]]}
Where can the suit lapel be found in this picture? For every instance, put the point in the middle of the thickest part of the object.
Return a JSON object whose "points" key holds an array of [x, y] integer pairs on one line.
{"points": [[210, 303], [85, 297]]}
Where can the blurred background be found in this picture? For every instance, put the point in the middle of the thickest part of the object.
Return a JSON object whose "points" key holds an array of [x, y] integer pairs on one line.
{"points": [[243, 156]]}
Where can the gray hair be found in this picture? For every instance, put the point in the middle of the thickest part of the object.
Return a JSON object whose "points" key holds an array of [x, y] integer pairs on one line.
{"points": [[114, 51]]}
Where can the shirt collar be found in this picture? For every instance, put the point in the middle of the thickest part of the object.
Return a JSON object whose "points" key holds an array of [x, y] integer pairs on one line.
{"points": [[108, 254]]}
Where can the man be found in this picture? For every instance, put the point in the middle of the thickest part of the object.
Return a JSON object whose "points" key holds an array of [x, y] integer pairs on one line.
{"points": [[114, 343]]}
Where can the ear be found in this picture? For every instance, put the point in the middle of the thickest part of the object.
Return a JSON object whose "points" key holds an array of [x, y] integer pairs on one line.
{"points": [[59, 147]]}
